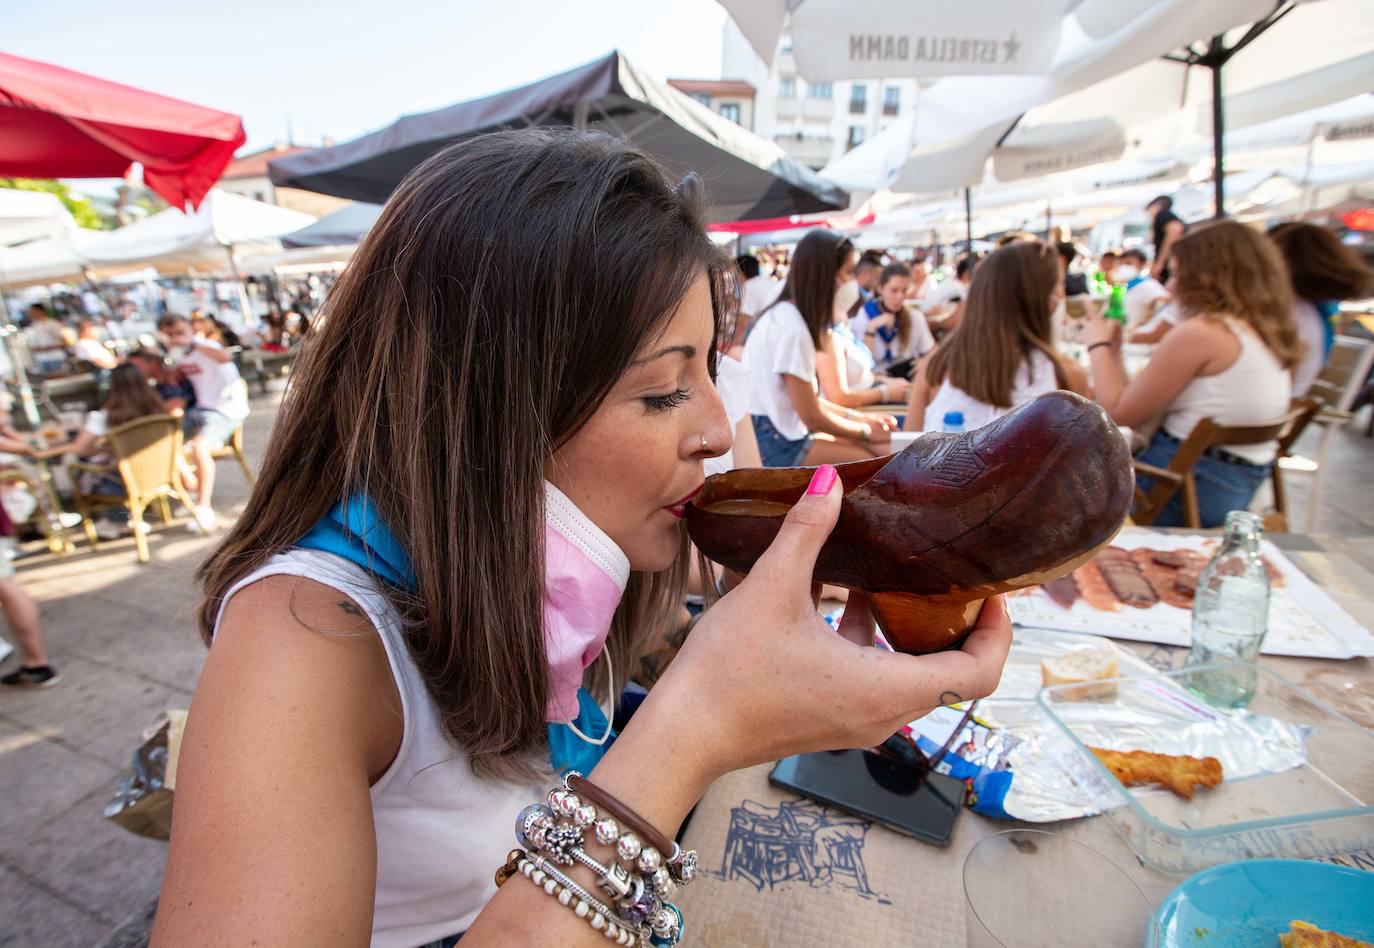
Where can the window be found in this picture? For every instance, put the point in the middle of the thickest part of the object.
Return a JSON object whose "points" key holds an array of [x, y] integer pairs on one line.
{"points": [[858, 98], [730, 110], [820, 90], [856, 137], [702, 97], [787, 88], [892, 100]]}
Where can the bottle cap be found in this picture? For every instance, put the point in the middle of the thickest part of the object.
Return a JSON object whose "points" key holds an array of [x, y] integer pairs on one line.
{"points": [[954, 418]]}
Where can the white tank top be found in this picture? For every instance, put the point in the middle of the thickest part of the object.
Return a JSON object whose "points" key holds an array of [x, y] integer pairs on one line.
{"points": [[1035, 377], [1253, 390], [441, 831]]}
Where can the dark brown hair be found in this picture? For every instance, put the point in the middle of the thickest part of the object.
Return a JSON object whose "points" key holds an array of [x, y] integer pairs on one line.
{"points": [[1320, 267], [810, 282], [1007, 317], [1226, 268], [409, 391], [130, 397]]}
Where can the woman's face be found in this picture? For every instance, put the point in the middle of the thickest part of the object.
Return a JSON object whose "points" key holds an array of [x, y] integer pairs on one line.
{"points": [[846, 271], [637, 461], [893, 292]]}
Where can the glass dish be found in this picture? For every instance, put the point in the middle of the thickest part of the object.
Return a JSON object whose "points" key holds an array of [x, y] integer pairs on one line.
{"points": [[1318, 800]]}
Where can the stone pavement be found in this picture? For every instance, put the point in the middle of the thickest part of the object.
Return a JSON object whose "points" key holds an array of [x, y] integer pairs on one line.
{"points": [[122, 636]]}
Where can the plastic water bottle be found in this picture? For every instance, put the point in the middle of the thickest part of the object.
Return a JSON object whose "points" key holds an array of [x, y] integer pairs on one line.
{"points": [[1231, 615], [953, 423]]}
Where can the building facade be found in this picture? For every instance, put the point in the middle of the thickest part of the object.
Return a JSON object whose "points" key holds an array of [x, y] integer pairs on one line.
{"points": [[814, 122], [730, 98], [247, 176]]}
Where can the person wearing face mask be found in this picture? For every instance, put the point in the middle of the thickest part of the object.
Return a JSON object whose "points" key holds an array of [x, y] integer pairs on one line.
{"points": [[794, 424], [1002, 354], [450, 562], [847, 378], [1148, 314]]}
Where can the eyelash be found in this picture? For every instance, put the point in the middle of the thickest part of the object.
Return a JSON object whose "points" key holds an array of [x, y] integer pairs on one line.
{"points": [[668, 402]]}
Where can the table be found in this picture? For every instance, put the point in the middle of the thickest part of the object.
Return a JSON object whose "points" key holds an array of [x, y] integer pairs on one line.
{"points": [[887, 889]]}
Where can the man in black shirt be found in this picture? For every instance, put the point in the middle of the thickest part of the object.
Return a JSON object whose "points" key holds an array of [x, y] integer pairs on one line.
{"points": [[1167, 228]]}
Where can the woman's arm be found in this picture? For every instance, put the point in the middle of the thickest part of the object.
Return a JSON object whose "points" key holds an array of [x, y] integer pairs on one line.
{"points": [[816, 419], [80, 445], [921, 395], [830, 372], [295, 713], [1183, 355], [215, 353]]}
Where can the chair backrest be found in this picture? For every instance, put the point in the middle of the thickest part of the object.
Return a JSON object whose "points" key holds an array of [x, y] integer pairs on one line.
{"points": [[148, 449], [1307, 409], [1344, 374], [1208, 434]]}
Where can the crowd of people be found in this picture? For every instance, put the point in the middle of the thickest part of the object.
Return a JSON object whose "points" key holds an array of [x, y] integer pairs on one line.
{"points": [[1239, 324]]}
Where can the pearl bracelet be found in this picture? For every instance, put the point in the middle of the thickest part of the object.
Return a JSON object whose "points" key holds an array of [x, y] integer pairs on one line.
{"points": [[584, 905]]}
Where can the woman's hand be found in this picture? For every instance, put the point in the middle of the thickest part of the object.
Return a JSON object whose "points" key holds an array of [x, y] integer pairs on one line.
{"points": [[762, 676], [884, 320], [898, 390], [1098, 328]]}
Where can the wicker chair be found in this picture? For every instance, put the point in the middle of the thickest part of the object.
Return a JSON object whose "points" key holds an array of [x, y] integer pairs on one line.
{"points": [[147, 450], [1178, 476], [233, 448]]}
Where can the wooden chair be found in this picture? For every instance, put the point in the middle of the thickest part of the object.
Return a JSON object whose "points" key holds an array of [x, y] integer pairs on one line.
{"points": [[233, 448], [147, 450], [47, 509], [1178, 476], [1337, 389], [1307, 408]]}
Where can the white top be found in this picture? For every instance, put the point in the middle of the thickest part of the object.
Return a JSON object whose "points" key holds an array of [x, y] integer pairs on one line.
{"points": [[441, 830], [92, 350], [759, 291], [779, 345], [96, 423], [1253, 390], [858, 365], [1140, 300], [44, 335], [946, 292], [1035, 377], [217, 384], [1309, 323], [733, 386]]}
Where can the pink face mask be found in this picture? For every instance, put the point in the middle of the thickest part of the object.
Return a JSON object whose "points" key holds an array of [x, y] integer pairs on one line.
{"points": [[584, 577]]}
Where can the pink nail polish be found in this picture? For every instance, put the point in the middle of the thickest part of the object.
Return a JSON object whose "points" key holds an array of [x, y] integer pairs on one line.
{"points": [[822, 480]]}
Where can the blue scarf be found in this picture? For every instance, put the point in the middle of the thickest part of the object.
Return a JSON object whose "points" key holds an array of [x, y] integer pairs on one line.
{"points": [[1328, 309], [354, 531]]}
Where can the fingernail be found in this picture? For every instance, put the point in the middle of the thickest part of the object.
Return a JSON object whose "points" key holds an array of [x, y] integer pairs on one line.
{"points": [[823, 480]]}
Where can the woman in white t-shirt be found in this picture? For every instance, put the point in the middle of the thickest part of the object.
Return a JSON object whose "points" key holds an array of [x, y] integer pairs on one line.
{"points": [[1229, 359], [1001, 356], [847, 376], [1322, 271], [794, 425]]}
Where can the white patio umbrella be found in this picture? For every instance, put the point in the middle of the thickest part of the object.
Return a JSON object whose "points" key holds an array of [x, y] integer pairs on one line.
{"points": [[30, 215], [1121, 95]]}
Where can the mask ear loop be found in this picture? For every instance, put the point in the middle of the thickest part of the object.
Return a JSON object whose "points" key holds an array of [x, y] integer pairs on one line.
{"points": [[610, 724]]}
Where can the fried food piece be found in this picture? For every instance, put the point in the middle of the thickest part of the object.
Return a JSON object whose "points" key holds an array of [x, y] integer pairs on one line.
{"points": [[1304, 935], [1094, 589], [1163, 574], [1181, 774], [1124, 578]]}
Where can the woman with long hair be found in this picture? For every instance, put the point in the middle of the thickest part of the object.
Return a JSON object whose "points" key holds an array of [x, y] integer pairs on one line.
{"points": [[1230, 358], [448, 532], [1002, 354], [793, 423], [1322, 271], [895, 333]]}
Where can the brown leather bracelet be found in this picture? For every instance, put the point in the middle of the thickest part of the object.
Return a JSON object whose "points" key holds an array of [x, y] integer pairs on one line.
{"points": [[628, 818]]}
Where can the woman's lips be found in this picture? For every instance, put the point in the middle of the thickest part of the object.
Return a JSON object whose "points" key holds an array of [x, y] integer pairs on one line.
{"points": [[679, 509]]}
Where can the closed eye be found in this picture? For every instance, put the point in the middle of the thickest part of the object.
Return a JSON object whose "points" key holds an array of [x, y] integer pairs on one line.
{"points": [[669, 401]]}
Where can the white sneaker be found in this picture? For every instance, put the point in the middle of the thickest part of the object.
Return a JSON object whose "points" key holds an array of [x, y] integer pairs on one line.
{"points": [[69, 519], [204, 519], [108, 530]]}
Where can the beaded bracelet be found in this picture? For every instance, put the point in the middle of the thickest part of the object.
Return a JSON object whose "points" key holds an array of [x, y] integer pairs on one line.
{"points": [[682, 866], [599, 915]]}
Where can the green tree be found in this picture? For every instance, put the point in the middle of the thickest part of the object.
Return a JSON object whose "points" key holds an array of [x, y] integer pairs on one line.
{"points": [[81, 208]]}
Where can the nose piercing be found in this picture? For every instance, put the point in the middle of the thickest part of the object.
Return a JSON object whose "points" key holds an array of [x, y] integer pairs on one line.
{"points": [[704, 445]]}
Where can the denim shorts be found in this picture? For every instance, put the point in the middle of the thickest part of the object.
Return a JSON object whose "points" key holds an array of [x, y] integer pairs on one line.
{"points": [[776, 450], [1224, 483], [215, 426]]}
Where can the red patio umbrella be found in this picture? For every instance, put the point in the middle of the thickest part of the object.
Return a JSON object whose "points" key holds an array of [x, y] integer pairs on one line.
{"points": [[56, 123]]}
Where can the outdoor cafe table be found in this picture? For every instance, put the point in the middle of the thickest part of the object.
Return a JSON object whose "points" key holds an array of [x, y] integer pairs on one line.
{"points": [[914, 890]]}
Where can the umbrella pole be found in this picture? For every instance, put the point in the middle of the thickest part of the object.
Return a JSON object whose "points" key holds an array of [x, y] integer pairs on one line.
{"points": [[1218, 130], [245, 308], [1049, 228], [968, 217]]}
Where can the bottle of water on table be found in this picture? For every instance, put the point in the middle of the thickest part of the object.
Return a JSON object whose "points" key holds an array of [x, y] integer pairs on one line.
{"points": [[953, 422], [1231, 615]]}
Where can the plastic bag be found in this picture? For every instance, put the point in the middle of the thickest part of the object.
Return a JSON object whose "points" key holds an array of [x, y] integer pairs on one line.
{"points": [[143, 802]]}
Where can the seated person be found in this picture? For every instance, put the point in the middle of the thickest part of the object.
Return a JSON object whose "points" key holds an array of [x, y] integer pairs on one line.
{"points": [[172, 387], [1075, 284], [1230, 359], [844, 369], [1148, 314], [896, 334], [90, 349], [1001, 356]]}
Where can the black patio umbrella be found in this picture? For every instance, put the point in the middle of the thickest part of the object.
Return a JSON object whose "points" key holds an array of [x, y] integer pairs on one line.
{"points": [[747, 177], [345, 226]]}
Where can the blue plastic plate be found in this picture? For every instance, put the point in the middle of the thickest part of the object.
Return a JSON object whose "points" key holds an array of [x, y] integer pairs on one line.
{"points": [[1244, 904]]}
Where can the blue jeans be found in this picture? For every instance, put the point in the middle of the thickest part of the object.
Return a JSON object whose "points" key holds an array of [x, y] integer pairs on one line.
{"points": [[776, 450], [1222, 485]]}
